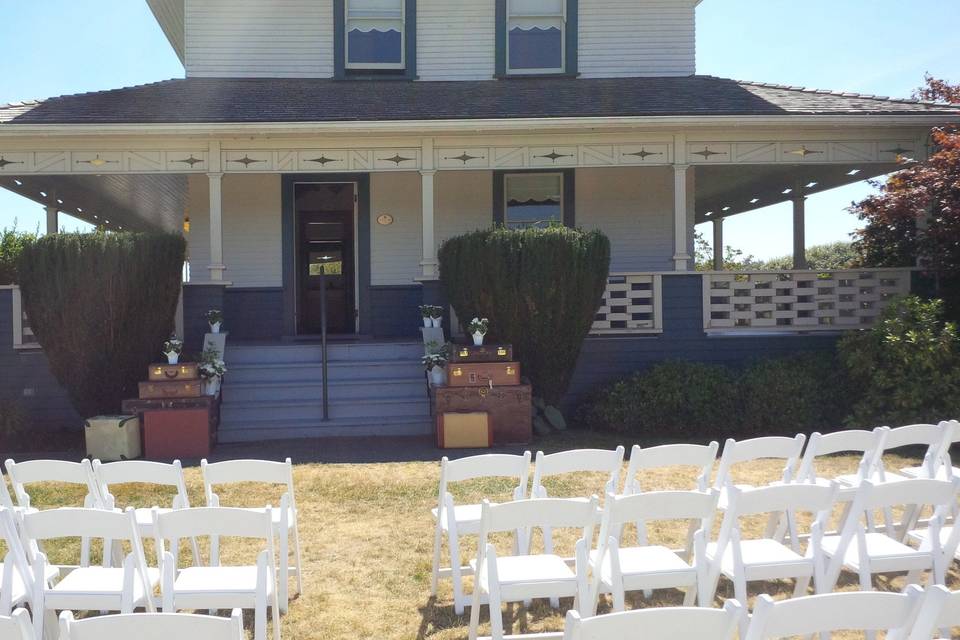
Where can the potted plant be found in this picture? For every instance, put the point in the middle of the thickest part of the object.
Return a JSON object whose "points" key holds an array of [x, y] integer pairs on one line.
{"points": [[436, 316], [172, 348], [214, 319], [425, 311], [435, 362], [212, 369], [478, 329]]}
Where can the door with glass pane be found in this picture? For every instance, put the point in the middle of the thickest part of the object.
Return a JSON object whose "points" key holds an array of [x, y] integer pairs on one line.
{"points": [[326, 257]]}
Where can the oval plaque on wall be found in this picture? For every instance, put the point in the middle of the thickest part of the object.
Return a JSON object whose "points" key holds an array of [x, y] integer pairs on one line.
{"points": [[385, 219]]}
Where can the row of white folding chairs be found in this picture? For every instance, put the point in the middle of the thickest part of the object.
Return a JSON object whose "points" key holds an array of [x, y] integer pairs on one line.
{"points": [[611, 568], [143, 626], [98, 478], [28, 577]]}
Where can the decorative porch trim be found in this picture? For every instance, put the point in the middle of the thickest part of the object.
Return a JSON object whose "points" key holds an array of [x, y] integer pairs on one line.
{"points": [[632, 304], [804, 152]]}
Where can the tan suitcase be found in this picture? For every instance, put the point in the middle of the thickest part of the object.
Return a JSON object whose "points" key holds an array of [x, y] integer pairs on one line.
{"points": [[111, 438], [166, 372], [184, 389], [483, 374], [464, 430]]}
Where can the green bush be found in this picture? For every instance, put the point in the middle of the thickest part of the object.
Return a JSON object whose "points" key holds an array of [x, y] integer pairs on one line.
{"points": [[101, 306], [11, 244], [13, 419], [540, 289], [906, 369], [682, 400]]}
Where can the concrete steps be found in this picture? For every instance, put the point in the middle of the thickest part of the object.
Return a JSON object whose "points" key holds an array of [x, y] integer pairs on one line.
{"points": [[275, 391]]}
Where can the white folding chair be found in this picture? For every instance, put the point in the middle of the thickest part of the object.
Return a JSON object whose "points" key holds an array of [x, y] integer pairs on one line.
{"points": [[937, 462], [455, 520], [667, 623], [214, 586], [697, 456], [864, 551], [284, 517], [80, 473], [86, 587], [830, 612], [766, 558], [765, 448], [16, 626], [520, 578], [14, 586], [940, 610], [152, 626], [929, 436], [5, 500], [617, 569]]}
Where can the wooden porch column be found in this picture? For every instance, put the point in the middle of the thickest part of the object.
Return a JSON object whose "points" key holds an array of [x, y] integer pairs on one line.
{"points": [[681, 257], [53, 220], [799, 227], [216, 226], [428, 262], [718, 244]]}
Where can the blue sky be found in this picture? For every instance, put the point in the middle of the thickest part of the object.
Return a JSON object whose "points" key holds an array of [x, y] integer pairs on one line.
{"points": [[57, 47]]}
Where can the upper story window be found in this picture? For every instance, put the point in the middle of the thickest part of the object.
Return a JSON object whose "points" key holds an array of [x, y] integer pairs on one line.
{"points": [[535, 36], [374, 34]]}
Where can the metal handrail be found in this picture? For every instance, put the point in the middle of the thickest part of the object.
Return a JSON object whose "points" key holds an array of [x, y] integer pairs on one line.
{"points": [[323, 339]]}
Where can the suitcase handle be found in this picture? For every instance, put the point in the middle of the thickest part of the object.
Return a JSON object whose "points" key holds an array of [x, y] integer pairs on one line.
{"points": [[171, 374]]}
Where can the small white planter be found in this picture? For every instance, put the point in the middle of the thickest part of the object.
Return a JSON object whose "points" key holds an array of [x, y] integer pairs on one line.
{"points": [[436, 322], [478, 339], [212, 385], [428, 322], [172, 357], [438, 376], [214, 327]]}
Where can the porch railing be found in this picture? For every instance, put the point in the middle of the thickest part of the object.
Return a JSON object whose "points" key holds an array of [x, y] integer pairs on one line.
{"points": [[23, 337], [632, 303], [799, 300]]}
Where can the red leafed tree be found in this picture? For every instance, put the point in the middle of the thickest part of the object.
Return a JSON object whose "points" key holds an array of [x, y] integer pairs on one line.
{"points": [[915, 219]]}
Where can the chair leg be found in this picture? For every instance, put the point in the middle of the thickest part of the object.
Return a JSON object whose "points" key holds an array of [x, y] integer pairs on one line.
{"points": [[689, 595], [283, 581], [496, 613], [740, 593], [618, 596], [296, 550], [800, 588], [437, 542], [459, 600], [260, 618]]}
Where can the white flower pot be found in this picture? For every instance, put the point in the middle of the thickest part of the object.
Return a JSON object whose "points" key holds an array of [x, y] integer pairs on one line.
{"points": [[215, 327], [172, 357], [212, 386], [478, 338], [427, 322], [438, 376], [436, 322]]}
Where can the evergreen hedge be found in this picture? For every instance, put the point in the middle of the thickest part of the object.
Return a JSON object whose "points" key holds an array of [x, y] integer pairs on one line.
{"points": [[101, 306], [540, 289]]}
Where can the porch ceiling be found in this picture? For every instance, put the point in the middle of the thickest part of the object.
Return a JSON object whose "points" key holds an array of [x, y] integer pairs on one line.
{"points": [[113, 201], [736, 187]]}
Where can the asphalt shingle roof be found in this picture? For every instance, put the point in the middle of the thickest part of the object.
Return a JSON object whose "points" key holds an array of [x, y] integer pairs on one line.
{"points": [[244, 100]]}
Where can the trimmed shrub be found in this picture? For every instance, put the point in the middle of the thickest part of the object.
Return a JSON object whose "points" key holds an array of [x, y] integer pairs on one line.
{"points": [[681, 400], [101, 305], [13, 420], [11, 245], [540, 289], [906, 369]]}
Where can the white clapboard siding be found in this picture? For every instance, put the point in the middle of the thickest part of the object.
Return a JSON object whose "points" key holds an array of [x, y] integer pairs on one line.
{"points": [[198, 239], [464, 202], [455, 40], [633, 206], [395, 248], [622, 38], [253, 38]]}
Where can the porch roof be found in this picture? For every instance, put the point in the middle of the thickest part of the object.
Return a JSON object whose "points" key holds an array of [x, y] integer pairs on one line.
{"points": [[282, 100]]}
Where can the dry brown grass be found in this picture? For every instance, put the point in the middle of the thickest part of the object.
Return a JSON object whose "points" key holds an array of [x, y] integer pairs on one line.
{"points": [[367, 541]]}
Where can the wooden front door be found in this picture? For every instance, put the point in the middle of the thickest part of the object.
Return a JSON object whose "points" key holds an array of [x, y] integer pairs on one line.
{"points": [[326, 215]]}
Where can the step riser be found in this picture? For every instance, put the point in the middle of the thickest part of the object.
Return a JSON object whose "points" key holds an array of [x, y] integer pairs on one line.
{"points": [[314, 373], [313, 353], [313, 412], [414, 389], [313, 430]]}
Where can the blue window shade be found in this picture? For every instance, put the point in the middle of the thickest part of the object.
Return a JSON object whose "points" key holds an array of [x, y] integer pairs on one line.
{"points": [[521, 215], [374, 47], [536, 48]]}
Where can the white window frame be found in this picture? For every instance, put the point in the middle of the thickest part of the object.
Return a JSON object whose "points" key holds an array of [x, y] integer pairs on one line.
{"points": [[563, 40], [506, 190], [374, 65]]}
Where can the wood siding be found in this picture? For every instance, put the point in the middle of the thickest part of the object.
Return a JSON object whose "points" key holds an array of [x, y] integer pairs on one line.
{"points": [[464, 202], [252, 38], [395, 248], [623, 38], [455, 42]]}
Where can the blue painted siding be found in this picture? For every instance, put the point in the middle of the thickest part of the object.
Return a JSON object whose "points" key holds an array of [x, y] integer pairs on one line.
{"points": [[394, 311], [25, 375], [253, 313], [197, 300]]}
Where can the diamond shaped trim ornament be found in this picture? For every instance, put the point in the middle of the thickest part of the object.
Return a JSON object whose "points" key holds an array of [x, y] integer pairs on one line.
{"points": [[190, 161], [898, 150], [643, 154], [323, 160], [553, 156], [803, 152], [463, 157], [246, 160], [707, 153], [397, 159], [97, 161], [4, 162]]}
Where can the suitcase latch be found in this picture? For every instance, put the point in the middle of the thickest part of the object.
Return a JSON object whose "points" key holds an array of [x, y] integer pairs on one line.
{"points": [[501, 351]]}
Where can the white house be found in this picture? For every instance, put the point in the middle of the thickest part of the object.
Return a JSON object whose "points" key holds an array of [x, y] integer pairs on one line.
{"points": [[365, 132]]}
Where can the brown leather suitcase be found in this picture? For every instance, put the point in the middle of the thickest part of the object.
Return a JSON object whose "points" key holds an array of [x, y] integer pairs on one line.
{"points": [[172, 389], [509, 408], [483, 353], [483, 374], [182, 371], [464, 430]]}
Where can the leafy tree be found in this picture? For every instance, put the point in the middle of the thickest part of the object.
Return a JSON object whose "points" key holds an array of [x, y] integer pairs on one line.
{"points": [[915, 219], [11, 244], [824, 257], [540, 289], [101, 306], [733, 259]]}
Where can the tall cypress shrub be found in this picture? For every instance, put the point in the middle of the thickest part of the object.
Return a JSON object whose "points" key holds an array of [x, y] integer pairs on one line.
{"points": [[540, 289], [101, 306]]}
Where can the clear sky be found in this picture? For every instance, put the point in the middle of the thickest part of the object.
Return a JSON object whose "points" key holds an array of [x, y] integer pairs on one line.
{"points": [[56, 47]]}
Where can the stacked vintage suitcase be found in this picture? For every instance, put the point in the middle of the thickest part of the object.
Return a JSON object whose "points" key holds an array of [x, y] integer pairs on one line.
{"points": [[483, 385]]}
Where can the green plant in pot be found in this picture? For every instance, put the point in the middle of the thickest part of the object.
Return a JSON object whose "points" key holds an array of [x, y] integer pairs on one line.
{"points": [[215, 320], [478, 328], [172, 348], [435, 362], [212, 369]]}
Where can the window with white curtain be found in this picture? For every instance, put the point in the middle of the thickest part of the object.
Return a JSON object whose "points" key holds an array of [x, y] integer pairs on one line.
{"points": [[532, 200], [374, 34], [535, 36]]}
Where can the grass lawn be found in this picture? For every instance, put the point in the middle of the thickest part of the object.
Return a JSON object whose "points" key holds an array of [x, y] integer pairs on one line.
{"points": [[367, 540]]}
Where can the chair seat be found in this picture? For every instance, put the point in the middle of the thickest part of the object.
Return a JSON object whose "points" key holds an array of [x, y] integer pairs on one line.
{"points": [[885, 553], [920, 537], [654, 567], [543, 568], [467, 517], [918, 472], [218, 587], [764, 559], [275, 516], [95, 588], [853, 479]]}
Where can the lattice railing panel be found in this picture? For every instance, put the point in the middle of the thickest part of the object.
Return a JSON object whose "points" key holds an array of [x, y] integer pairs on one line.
{"points": [[800, 300], [631, 304]]}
